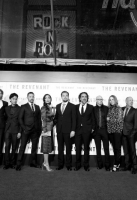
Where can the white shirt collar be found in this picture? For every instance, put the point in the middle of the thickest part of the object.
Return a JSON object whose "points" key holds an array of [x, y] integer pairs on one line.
{"points": [[65, 103]]}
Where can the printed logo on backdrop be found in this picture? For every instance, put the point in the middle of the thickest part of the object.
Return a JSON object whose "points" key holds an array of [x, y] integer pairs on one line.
{"points": [[45, 48], [74, 89]]}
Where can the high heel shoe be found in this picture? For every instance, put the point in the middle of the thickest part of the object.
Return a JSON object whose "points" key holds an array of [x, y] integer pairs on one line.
{"points": [[115, 168], [46, 167]]}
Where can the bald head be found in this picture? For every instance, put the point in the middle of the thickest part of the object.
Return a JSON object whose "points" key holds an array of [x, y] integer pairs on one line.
{"points": [[99, 100], [129, 101]]}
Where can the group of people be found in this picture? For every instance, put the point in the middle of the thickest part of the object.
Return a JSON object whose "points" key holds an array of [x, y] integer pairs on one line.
{"points": [[82, 122]]}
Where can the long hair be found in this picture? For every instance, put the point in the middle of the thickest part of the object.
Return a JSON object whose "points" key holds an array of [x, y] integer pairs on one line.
{"points": [[45, 104], [115, 99]]}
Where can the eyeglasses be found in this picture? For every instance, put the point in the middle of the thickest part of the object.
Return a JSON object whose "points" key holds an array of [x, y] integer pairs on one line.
{"points": [[99, 99]]}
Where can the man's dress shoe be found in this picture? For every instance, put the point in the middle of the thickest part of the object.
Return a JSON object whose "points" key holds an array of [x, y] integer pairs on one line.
{"points": [[18, 167], [77, 168], [34, 165], [99, 167], [59, 168], [12, 166], [86, 169], [69, 168], [107, 169], [6, 167], [134, 171]]}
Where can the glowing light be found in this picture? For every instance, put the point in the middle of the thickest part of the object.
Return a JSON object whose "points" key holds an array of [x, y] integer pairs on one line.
{"points": [[133, 18]]}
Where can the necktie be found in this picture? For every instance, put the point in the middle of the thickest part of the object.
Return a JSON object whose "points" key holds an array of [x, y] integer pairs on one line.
{"points": [[32, 107], [100, 123], [82, 110], [63, 108]]}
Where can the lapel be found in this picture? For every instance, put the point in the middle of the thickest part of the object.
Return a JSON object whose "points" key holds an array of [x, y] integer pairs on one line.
{"points": [[96, 110], [129, 112], [30, 108]]}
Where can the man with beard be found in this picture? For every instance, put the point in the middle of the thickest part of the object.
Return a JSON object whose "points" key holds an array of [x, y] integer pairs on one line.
{"points": [[85, 124], [65, 120], [30, 121]]}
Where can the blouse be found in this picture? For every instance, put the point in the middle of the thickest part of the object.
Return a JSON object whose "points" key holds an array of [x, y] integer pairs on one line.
{"points": [[115, 122]]}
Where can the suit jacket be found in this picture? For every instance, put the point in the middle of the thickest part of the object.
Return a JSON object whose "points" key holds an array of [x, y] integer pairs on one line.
{"points": [[12, 123], [28, 120], [87, 120], [130, 122], [65, 122], [3, 115], [104, 109]]}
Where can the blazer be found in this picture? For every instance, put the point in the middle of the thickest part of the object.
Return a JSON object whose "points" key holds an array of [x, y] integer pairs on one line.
{"points": [[87, 120], [66, 122], [3, 115], [28, 120], [104, 109], [12, 122], [130, 122]]}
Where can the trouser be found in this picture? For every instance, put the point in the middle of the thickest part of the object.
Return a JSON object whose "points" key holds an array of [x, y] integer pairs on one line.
{"points": [[64, 138], [115, 139], [85, 139], [101, 134], [10, 138], [1, 143], [34, 139], [130, 150]]}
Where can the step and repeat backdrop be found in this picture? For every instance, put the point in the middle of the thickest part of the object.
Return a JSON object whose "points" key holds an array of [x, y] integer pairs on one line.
{"points": [[54, 89]]}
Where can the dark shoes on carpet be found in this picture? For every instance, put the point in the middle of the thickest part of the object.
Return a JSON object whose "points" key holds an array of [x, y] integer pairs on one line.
{"points": [[134, 171], [18, 167], [34, 165], [69, 168], [86, 169], [59, 168], [9, 166], [77, 168]]}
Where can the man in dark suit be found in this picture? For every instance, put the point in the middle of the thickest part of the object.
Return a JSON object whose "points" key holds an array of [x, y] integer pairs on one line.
{"points": [[12, 130], [65, 120], [3, 105], [85, 125], [30, 121], [129, 134], [100, 134]]}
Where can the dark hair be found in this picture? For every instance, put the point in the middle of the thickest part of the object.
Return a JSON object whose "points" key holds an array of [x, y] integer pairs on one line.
{"points": [[13, 95], [64, 92], [45, 104], [30, 93], [1, 91], [81, 95]]}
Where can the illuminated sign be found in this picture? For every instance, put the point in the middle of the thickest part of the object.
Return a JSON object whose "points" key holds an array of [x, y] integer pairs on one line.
{"points": [[45, 48], [44, 22], [125, 5]]}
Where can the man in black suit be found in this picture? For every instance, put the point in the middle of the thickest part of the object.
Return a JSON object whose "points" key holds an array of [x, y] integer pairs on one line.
{"points": [[129, 134], [85, 124], [12, 130], [3, 105], [100, 134], [30, 121], [65, 120]]}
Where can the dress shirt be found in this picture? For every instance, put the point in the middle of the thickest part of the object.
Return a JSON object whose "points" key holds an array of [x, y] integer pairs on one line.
{"points": [[84, 107], [31, 106], [65, 104], [1, 104]]}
